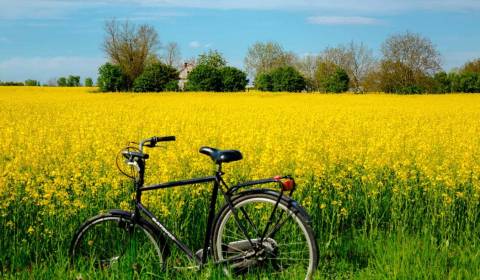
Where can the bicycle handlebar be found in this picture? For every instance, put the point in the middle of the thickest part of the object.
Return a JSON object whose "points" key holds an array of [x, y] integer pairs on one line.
{"points": [[152, 141]]}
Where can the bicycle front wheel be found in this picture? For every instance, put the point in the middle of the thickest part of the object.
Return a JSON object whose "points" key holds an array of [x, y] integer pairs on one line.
{"points": [[113, 243], [251, 237]]}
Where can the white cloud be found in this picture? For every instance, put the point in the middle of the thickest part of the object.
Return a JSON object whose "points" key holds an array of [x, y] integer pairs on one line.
{"points": [[339, 20], [54, 9], [194, 44], [345, 5], [45, 68]]}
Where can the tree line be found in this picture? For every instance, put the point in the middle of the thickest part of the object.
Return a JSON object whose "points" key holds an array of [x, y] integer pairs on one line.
{"points": [[70, 81], [409, 63]]}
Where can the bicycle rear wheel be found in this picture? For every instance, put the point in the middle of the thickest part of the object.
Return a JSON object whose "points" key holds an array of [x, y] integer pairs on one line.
{"points": [[288, 249], [113, 243]]}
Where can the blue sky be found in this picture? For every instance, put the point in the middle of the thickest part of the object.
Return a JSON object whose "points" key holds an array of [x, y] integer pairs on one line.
{"points": [[45, 39]]}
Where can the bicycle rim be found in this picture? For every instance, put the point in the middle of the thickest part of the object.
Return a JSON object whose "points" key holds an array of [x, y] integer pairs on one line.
{"points": [[113, 244], [289, 252]]}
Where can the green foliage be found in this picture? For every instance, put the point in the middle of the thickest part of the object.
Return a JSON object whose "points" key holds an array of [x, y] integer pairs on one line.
{"points": [[155, 78], [471, 66], [263, 81], [397, 77], [32, 83], [62, 82], [73, 81], [287, 78], [284, 78], [213, 58], [442, 83], [172, 86], [468, 82], [337, 82], [88, 82], [205, 78], [111, 78], [233, 79], [10, 83]]}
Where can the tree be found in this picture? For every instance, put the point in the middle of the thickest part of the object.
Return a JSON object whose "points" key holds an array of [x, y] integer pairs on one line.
{"points": [[32, 83], [264, 57], [408, 64], [337, 82], [263, 81], [442, 83], [62, 82], [471, 66], [287, 78], [284, 78], [205, 78], [111, 78], [172, 54], [88, 82], [307, 66], [130, 47], [212, 58], [233, 79], [356, 59], [325, 69], [397, 77], [73, 81], [155, 78]]}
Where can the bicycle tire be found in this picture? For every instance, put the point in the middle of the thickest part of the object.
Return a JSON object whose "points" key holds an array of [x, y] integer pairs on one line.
{"points": [[229, 242], [113, 241]]}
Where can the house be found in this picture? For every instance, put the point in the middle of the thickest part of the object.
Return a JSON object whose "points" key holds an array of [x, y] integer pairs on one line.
{"points": [[183, 75]]}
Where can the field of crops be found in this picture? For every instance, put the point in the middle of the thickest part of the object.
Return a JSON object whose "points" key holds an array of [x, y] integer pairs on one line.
{"points": [[392, 182]]}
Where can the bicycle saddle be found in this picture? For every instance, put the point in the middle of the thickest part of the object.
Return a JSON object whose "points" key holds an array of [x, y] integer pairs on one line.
{"points": [[219, 156]]}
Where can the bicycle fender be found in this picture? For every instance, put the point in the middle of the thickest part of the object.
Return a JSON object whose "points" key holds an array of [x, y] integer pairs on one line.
{"points": [[290, 201]]}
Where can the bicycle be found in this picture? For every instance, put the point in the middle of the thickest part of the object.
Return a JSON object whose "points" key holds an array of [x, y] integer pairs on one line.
{"points": [[259, 230]]}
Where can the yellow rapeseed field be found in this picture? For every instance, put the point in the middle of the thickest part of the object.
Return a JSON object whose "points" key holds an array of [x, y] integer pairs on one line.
{"points": [[58, 148]]}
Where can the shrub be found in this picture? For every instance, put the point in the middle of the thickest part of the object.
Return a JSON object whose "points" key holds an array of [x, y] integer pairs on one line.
{"points": [[205, 78], [111, 78], [233, 79], [88, 82], [73, 81], [263, 81], [337, 82], [284, 78], [62, 82], [32, 83], [155, 78]]}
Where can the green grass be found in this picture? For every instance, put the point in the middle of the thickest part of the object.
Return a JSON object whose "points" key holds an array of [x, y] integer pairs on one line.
{"points": [[386, 236]]}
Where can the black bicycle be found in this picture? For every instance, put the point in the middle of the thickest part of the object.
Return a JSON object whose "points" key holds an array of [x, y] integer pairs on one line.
{"points": [[261, 231]]}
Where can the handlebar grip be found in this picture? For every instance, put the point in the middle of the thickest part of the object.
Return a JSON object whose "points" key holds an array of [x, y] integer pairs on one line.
{"points": [[164, 138]]}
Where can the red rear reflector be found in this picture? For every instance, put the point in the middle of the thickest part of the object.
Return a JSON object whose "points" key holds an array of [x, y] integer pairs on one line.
{"points": [[288, 185]]}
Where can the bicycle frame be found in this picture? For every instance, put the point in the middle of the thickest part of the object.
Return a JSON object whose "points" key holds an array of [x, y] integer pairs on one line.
{"points": [[217, 183]]}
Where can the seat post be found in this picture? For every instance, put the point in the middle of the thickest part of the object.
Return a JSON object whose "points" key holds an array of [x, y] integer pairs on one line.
{"points": [[219, 169]]}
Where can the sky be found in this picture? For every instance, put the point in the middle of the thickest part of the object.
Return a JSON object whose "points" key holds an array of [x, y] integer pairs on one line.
{"points": [[46, 39]]}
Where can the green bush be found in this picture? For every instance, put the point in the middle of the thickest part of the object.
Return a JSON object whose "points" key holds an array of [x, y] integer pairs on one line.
{"points": [[287, 78], [88, 82], [281, 79], [62, 82], [73, 81], [337, 82], [205, 78], [32, 83], [172, 86], [263, 81], [111, 78], [233, 79], [155, 78]]}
